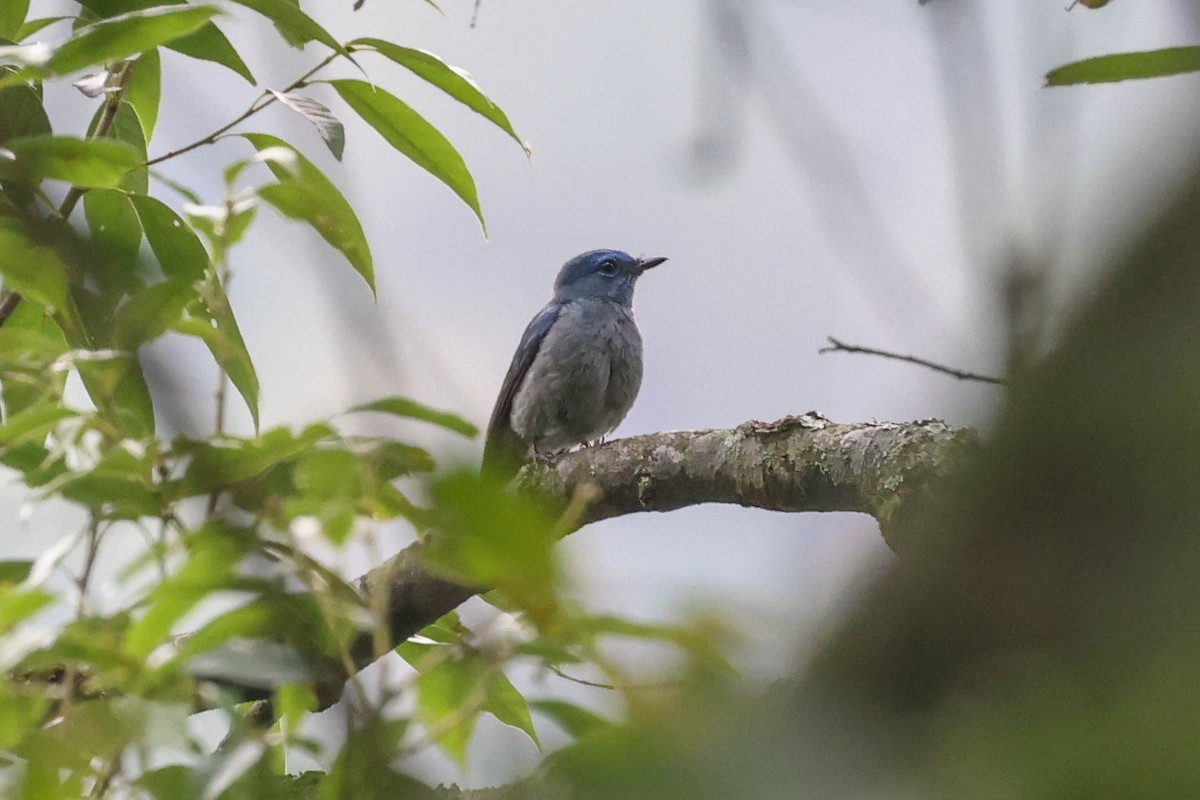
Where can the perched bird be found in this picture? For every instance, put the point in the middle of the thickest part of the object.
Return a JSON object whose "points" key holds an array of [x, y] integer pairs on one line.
{"points": [[578, 367]]}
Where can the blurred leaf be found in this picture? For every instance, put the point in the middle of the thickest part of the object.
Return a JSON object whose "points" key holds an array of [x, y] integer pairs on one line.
{"points": [[151, 312], [173, 242], [33, 270], [212, 322], [213, 556], [18, 716], [449, 699], [328, 485], [226, 767], [167, 783], [31, 424], [1127, 66], [21, 113], [97, 163], [294, 702], [12, 17], [218, 463], [118, 388], [490, 537], [34, 25], [506, 704], [14, 571], [260, 663], [126, 127], [404, 407], [332, 132], [30, 342], [290, 19], [143, 91], [120, 484], [121, 36], [363, 769], [575, 720], [116, 229], [308, 195], [451, 80], [18, 603], [390, 460], [412, 135]]}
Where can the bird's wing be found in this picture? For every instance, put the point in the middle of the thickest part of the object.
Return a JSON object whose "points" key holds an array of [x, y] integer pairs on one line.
{"points": [[503, 451]]}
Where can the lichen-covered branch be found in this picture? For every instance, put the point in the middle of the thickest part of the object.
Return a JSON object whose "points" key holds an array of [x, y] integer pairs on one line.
{"points": [[802, 463]]}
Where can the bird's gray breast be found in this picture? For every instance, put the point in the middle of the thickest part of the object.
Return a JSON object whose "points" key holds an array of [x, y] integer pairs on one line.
{"points": [[584, 379]]}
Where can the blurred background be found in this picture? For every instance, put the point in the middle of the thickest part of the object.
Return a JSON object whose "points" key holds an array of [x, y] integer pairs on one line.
{"points": [[881, 172]]}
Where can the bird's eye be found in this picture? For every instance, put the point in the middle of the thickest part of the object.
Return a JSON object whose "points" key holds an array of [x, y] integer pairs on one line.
{"points": [[608, 267]]}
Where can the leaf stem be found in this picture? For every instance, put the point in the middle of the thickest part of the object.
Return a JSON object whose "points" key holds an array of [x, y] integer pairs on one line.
{"points": [[262, 101]]}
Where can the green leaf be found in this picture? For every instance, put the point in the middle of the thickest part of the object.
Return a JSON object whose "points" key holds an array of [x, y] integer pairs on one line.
{"points": [[31, 424], [404, 407], [34, 25], [119, 37], [449, 698], [575, 720], [126, 127], [304, 193], [506, 704], [92, 163], [152, 311], [17, 604], [33, 270], [143, 91], [118, 388], [14, 571], [1127, 66], [332, 132], [213, 556], [209, 44], [116, 229], [173, 242], [451, 80], [212, 322], [412, 135], [293, 22], [21, 113], [233, 459], [490, 537], [12, 17], [120, 484], [30, 342]]}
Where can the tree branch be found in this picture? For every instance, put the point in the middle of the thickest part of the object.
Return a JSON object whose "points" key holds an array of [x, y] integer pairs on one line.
{"points": [[807, 463]]}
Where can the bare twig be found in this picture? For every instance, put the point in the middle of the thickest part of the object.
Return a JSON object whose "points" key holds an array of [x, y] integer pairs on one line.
{"points": [[837, 346], [262, 101]]}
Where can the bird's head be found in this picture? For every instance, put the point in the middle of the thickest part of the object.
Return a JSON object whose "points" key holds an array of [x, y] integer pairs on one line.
{"points": [[607, 274]]}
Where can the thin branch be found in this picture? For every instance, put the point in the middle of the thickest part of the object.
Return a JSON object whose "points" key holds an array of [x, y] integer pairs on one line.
{"points": [[837, 346], [262, 101], [8, 305]]}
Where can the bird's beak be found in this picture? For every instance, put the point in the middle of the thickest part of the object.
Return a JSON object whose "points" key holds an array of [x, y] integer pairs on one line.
{"points": [[650, 263]]}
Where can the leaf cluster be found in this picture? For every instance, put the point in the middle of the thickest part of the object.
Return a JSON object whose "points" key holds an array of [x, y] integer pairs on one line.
{"points": [[236, 595]]}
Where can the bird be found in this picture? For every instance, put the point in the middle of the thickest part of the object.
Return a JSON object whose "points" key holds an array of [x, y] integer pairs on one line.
{"points": [[577, 369]]}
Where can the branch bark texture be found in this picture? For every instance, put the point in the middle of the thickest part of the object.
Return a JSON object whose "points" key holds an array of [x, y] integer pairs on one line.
{"points": [[799, 463]]}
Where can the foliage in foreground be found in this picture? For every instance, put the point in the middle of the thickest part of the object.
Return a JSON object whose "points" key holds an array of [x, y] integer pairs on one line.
{"points": [[101, 255]]}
